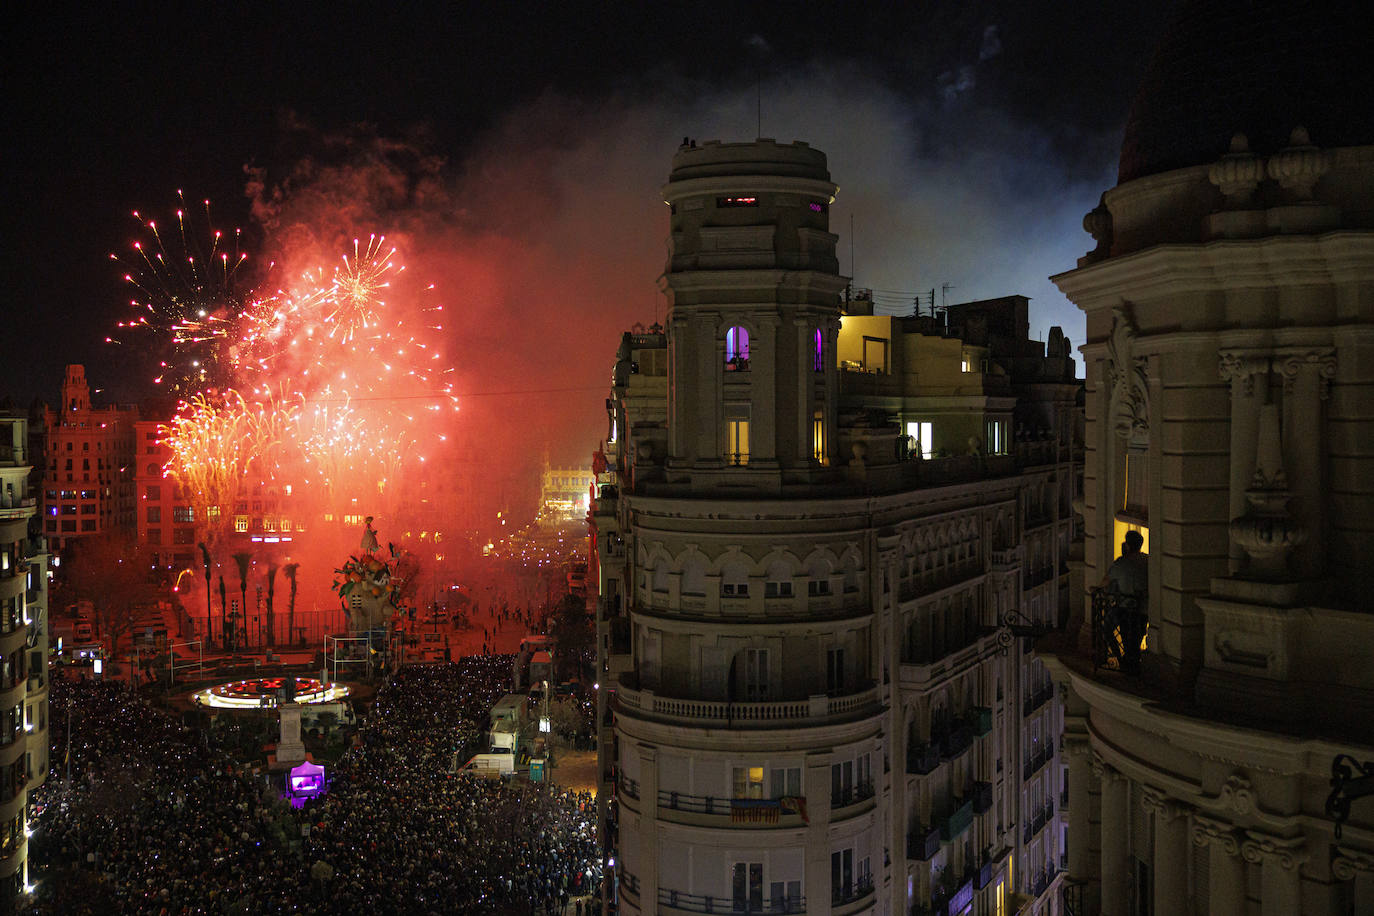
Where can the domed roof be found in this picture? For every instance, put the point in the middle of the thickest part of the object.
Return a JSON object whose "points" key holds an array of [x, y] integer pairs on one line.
{"points": [[1257, 67]]}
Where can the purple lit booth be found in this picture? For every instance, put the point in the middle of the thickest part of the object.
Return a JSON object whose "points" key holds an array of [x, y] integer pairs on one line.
{"points": [[305, 781]]}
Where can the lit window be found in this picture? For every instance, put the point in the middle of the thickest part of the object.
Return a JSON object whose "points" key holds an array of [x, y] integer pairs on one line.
{"points": [[817, 207], [725, 202], [240, 523], [922, 437], [818, 357], [997, 437], [736, 349], [737, 441], [748, 782], [286, 524], [818, 437]]}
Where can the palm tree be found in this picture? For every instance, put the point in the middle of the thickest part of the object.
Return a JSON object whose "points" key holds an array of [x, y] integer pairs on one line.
{"points": [[243, 558], [223, 632], [271, 595], [290, 570], [205, 557]]}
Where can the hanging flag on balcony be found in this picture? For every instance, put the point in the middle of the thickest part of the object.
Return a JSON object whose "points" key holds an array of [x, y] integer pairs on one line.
{"points": [[754, 810], [795, 804]]}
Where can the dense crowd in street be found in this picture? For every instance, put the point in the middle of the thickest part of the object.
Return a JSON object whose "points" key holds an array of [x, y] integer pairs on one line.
{"points": [[156, 819]]}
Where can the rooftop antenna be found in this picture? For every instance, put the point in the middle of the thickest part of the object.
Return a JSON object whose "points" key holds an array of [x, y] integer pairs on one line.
{"points": [[944, 294], [851, 244], [760, 104]]}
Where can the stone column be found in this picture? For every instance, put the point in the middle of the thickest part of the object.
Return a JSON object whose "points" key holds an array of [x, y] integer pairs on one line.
{"points": [[1226, 880], [816, 785], [1079, 753], [1307, 378], [648, 831], [1239, 367], [1115, 829], [1281, 859], [1170, 853], [1349, 865], [763, 392]]}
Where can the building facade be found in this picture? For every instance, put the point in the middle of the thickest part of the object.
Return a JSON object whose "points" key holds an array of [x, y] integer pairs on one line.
{"points": [[822, 538], [1217, 721], [89, 480], [24, 734]]}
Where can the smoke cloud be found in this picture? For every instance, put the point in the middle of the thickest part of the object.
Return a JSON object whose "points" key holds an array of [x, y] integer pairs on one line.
{"points": [[547, 239]]}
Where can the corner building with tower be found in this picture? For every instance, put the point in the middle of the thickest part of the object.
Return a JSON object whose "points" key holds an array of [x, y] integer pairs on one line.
{"points": [[1221, 758], [823, 541]]}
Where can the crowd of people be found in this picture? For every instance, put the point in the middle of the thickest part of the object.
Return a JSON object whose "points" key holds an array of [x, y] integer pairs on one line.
{"points": [[155, 818]]}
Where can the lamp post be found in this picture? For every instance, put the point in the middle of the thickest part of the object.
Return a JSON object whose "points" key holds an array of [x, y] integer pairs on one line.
{"points": [[205, 557]]}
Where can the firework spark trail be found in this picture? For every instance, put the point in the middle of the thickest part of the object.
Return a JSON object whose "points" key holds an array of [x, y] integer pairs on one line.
{"points": [[355, 299], [298, 382], [186, 294]]}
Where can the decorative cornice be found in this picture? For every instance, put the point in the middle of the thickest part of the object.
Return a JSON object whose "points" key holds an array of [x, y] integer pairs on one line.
{"points": [[1287, 852], [1210, 831]]}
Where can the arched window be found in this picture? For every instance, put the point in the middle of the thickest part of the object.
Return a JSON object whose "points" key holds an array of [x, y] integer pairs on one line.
{"points": [[736, 349], [818, 357]]}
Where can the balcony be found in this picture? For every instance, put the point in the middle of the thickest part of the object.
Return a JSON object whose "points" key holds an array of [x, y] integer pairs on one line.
{"points": [[1042, 881], [959, 820], [922, 844], [923, 760], [985, 874], [958, 742], [1038, 760], [851, 795], [1119, 628], [816, 710], [981, 719], [850, 893], [682, 902], [1037, 698], [982, 797]]}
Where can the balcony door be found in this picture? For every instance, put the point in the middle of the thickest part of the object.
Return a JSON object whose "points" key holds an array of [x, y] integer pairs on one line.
{"points": [[747, 883]]}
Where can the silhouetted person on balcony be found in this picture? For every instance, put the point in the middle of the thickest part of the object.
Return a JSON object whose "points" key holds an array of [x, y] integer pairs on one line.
{"points": [[1127, 581]]}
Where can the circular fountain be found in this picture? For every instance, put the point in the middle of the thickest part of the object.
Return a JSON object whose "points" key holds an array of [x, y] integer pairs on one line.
{"points": [[263, 693]]}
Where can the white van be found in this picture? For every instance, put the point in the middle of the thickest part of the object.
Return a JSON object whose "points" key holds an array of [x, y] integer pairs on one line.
{"points": [[489, 766]]}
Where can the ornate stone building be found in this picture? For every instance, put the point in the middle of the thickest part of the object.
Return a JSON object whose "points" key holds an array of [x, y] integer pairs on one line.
{"points": [[89, 479], [1230, 420], [822, 538]]}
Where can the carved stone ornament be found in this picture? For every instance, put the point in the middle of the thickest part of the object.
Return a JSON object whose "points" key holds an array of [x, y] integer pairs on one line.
{"points": [[1237, 794], [1323, 361], [1238, 173], [1347, 863], [1287, 852], [1299, 166], [1237, 366], [1129, 409], [1161, 805], [1097, 222], [1267, 532], [1209, 831]]}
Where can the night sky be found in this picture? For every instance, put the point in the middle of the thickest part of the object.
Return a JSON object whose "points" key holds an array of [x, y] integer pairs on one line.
{"points": [[517, 150]]}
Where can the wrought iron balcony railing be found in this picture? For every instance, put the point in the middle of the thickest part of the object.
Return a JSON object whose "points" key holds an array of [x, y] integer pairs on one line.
{"points": [[1120, 625]]}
